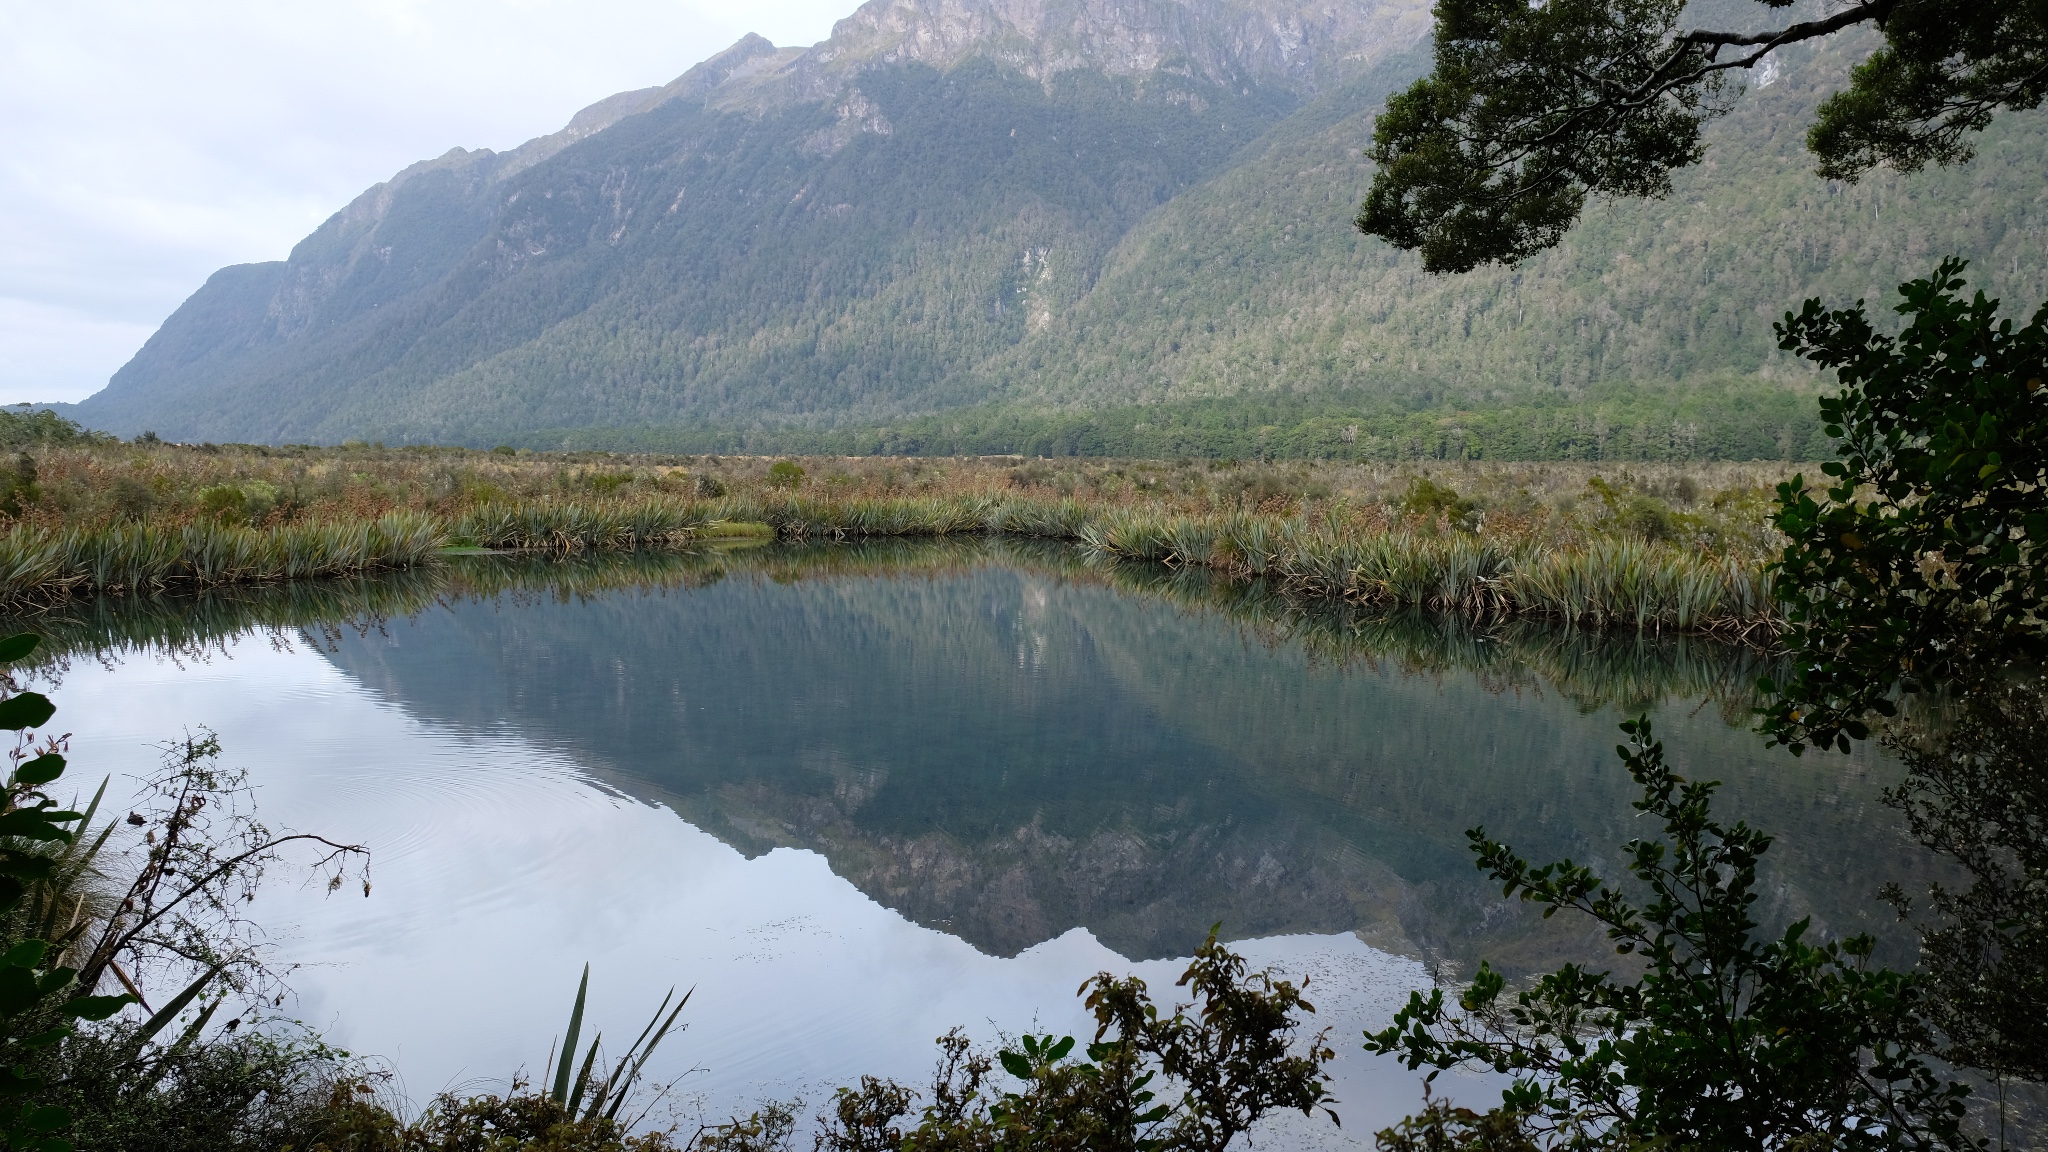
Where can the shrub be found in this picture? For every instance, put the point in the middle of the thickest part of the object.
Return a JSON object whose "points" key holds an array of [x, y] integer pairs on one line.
{"points": [[786, 474], [238, 1090], [222, 502], [1638, 513], [1184, 1082], [1428, 499], [130, 497], [1920, 561], [1728, 1038], [18, 489]]}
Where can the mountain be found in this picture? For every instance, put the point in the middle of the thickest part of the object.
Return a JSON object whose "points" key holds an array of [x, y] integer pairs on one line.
{"points": [[1020, 224]]}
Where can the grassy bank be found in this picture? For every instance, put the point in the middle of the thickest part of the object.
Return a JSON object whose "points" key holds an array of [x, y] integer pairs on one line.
{"points": [[1650, 548]]}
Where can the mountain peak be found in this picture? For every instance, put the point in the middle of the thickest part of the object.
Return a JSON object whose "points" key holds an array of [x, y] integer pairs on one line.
{"points": [[1298, 43]]}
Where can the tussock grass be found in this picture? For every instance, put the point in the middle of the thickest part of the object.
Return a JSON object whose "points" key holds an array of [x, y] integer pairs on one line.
{"points": [[40, 563], [571, 526], [1600, 582], [1652, 548]]}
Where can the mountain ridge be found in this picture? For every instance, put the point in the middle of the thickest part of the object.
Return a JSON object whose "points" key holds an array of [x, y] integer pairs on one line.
{"points": [[1049, 207]]}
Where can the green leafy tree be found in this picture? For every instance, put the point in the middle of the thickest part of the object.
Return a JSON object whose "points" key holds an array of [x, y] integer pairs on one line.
{"points": [[1532, 108], [1920, 563], [1728, 1038]]}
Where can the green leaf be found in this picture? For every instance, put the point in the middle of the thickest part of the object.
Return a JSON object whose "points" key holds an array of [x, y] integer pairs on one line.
{"points": [[17, 646], [97, 1007], [34, 824], [40, 770], [567, 1066], [169, 1012], [26, 710]]}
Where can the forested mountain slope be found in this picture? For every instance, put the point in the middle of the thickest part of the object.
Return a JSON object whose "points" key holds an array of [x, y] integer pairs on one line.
{"points": [[1050, 225]]}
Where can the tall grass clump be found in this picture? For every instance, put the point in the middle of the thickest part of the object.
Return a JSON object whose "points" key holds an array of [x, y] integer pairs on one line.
{"points": [[38, 562], [577, 526], [1604, 583]]}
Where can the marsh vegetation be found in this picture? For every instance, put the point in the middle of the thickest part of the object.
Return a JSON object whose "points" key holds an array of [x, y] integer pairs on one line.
{"points": [[1651, 548]]}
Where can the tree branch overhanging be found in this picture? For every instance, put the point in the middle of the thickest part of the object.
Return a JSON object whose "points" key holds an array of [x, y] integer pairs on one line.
{"points": [[1534, 109]]}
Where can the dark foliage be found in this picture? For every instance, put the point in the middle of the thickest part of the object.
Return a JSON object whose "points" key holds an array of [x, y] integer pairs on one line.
{"points": [[1943, 72], [1728, 1038], [1920, 563], [40, 997], [22, 426], [234, 1091], [528, 1121], [1444, 1127], [1146, 1083], [1533, 108], [1976, 793]]}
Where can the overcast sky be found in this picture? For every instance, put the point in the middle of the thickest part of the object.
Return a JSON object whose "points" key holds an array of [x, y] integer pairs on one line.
{"points": [[145, 143]]}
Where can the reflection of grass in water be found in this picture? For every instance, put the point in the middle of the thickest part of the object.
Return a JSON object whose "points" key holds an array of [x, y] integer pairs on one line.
{"points": [[191, 623], [1593, 669]]}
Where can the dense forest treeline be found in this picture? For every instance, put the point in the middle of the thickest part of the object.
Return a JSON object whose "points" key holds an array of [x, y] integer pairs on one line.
{"points": [[1721, 420]]}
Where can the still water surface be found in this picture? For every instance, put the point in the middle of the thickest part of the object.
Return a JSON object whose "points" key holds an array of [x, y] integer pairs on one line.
{"points": [[857, 798]]}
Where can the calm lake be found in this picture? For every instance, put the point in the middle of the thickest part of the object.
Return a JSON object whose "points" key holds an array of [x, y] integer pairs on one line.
{"points": [[858, 795]]}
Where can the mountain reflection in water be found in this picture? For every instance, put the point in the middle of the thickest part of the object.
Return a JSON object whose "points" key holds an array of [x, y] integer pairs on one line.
{"points": [[1005, 743]]}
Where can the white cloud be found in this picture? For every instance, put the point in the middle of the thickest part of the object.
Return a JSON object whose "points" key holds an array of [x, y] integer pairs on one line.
{"points": [[150, 143]]}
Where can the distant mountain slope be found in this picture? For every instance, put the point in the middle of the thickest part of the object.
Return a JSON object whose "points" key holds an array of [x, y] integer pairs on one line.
{"points": [[1251, 282], [1025, 211]]}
